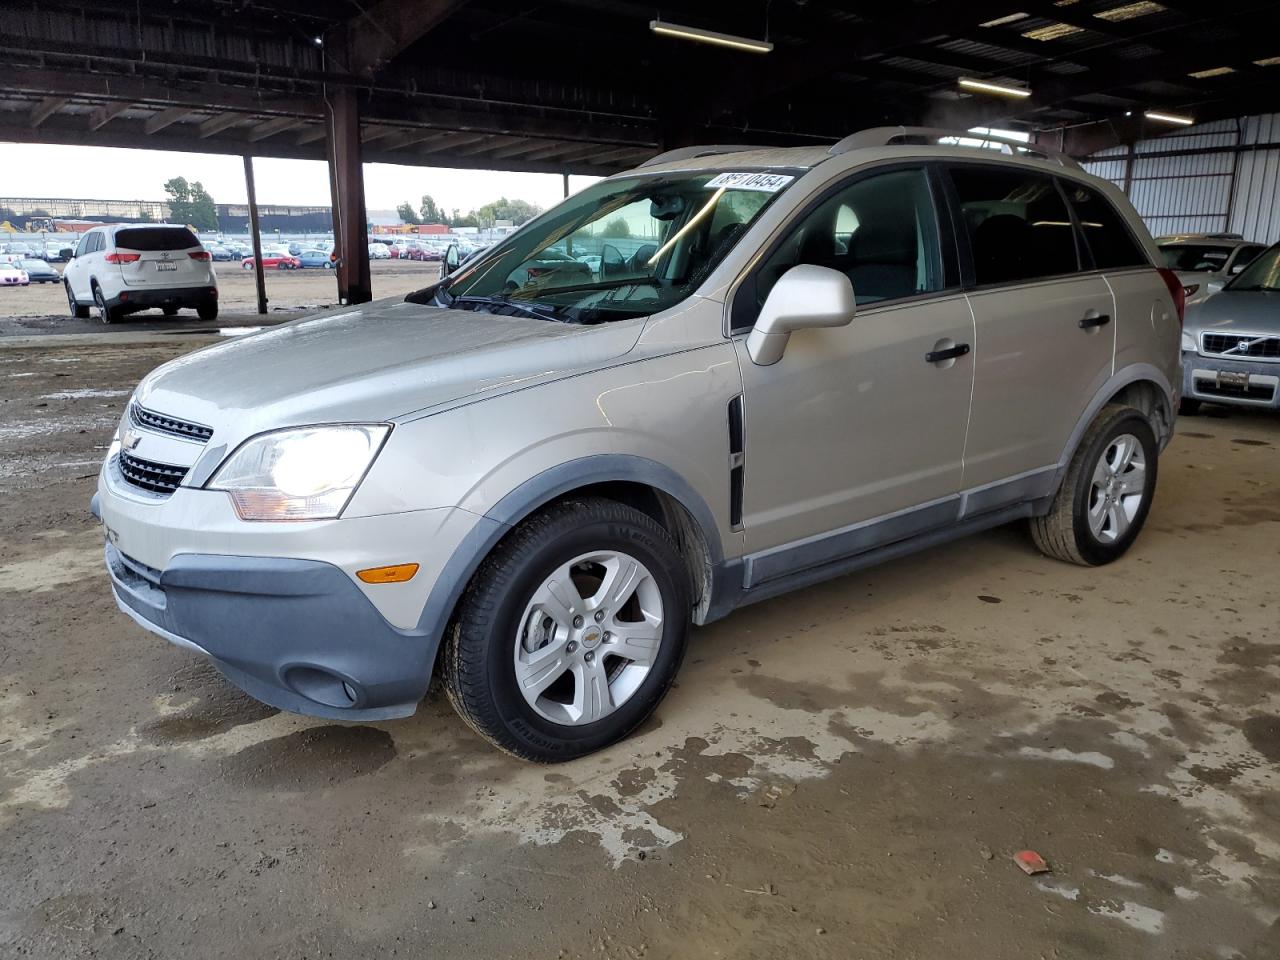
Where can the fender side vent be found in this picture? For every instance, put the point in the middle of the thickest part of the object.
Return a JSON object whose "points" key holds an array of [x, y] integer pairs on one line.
{"points": [[737, 462]]}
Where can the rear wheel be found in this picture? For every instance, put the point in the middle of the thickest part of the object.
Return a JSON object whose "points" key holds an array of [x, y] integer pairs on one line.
{"points": [[571, 631], [78, 310], [169, 311], [207, 311], [106, 313], [1188, 407], [1106, 494]]}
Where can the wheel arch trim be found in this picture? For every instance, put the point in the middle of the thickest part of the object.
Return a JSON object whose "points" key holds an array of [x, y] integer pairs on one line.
{"points": [[1134, 373], [537, 492]]}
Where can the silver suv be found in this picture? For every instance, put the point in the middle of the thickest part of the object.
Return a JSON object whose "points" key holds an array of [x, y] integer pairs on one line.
{"points": [[1206, 261], [724, 375]]}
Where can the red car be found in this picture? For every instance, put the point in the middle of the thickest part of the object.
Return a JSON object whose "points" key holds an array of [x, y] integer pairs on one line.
{"points": [[279, 260]]}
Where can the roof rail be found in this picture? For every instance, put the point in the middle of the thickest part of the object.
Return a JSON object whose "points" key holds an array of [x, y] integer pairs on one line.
{"points": [[705, 150], [884, 136]]}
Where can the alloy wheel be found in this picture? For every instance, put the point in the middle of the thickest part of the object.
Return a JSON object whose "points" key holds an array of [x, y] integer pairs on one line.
{"points": [[1116, 490]]}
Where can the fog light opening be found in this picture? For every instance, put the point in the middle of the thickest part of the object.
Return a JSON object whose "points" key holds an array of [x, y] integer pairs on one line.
{"points": [[321, 686]]}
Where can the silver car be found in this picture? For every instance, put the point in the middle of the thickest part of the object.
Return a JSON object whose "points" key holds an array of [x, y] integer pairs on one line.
{"points": [[531, 478], [1231, 343], [1206, 261]]}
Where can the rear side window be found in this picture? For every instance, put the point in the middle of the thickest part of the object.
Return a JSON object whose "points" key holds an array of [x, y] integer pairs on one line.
{"points": [[1017, 223], [156, 238], [1106, 235]]}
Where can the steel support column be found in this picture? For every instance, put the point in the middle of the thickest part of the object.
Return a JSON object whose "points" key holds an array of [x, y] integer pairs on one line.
{"points": [[254, 237], [346, 173]]}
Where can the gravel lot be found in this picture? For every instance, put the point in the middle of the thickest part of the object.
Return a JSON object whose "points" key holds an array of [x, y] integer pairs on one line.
{"points": [[42, 307], [844, 772]]}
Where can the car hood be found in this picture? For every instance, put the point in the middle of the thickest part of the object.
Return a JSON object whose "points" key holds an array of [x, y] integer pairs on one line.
{"points": [[1230, 311], [376, 362]]}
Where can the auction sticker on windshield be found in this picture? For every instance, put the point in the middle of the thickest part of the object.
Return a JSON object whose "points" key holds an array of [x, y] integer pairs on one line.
{"points": [[765, 182]]}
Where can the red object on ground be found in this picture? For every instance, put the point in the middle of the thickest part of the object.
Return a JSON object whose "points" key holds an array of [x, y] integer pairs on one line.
{"points": [[1030, 862]]}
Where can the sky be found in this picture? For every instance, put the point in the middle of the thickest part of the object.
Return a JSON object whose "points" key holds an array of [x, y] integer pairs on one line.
{"points": [[110, 173]]}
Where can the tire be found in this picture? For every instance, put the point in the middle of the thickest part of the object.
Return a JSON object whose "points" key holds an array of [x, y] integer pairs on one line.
{"points": [[105, 313], [169, 311], [1188, 408], [500, 626], [1067, 531], [207, 311], [247, 266], [78, 310]]}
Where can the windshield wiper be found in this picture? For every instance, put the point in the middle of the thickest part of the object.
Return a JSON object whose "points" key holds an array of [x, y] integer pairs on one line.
{"points": [[607, 285], [532, 309]]}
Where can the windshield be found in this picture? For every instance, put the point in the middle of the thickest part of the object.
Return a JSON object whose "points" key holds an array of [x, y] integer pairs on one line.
{"points": [[620, 249], [1263, 273], [1195, 257]]}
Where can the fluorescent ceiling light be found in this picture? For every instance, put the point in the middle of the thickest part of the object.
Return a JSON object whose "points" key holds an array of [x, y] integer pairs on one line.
{"points": [[999, 88], [1053, 31], [1130, 11], [1214, 72], [1268, 62], [710, 36], [1169, 118], [1001, 21]]}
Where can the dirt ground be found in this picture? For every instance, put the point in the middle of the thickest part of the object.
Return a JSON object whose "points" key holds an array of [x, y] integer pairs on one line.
{"points": [[42, 307], [844, 772]]}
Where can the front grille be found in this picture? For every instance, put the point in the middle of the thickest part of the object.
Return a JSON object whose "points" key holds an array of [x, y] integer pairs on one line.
{"points": [[170, 425], [1256, 347], [149, 475]]}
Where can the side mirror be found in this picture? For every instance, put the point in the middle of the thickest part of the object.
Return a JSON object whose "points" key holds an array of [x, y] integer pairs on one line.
{"points": [[452, 258], [611, 261], [1238, 268], [805, 297]]}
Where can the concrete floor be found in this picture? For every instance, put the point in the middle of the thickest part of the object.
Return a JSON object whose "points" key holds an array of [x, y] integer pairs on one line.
{"points": [[841, 773]]}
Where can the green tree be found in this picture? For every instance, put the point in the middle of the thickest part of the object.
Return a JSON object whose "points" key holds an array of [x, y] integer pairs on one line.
{"points": [[204, 212], [430, 212], [618, 227], [191, 203], [407, 213], [517, 211]]}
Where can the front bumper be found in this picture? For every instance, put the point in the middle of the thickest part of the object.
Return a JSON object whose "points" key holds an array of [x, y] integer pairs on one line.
{"points": [[1201, 381], [278, 606], [296, 634]]}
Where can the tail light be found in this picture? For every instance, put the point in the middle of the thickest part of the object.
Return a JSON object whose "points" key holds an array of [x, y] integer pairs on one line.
{"points": [[122, 257], [1176, 290], [200, 255]]}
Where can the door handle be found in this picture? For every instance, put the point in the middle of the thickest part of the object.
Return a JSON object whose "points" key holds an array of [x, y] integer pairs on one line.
{"points": [[1096, 320], [937, 356]]}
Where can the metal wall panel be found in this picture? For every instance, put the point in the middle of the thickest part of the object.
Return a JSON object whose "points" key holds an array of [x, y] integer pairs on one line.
{"points": [[1234, 189]]}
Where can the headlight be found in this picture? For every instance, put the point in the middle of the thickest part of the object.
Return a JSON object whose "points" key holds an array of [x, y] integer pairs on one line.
{"points": [[299, 474], [1188, 342]]}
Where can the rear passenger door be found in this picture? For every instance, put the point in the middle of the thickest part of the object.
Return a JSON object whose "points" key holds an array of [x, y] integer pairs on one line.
{"points": [[1044, 326]]}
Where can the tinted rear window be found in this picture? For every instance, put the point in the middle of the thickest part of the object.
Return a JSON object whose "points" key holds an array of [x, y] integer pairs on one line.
{"points": [[1195, 257], [1106, 235], [1018, 224], [156, 238]]}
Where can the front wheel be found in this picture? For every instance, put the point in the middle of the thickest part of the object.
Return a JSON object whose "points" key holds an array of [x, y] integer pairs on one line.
{"points": [[571, 631], [78, 310], [247, 265], [1106, 494]]}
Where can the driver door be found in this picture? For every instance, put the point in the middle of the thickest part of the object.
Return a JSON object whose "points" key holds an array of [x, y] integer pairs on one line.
{"points": [[854, 438]]}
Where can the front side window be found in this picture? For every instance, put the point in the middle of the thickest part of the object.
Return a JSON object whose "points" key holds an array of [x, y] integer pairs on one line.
{"points": [[1195, 257], [1246, 255], [1262, 274], [620, 249], [83, 246], [1106, 235], [880, 231], [1017, 223]]}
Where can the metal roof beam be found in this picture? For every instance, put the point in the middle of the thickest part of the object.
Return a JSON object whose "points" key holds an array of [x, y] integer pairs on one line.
{"points": [[373, 38], [106, 113], [165, 118], [46, 108]]}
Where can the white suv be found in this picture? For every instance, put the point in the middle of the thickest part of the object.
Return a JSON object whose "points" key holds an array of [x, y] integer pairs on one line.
{"points": [[123, 268]]}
